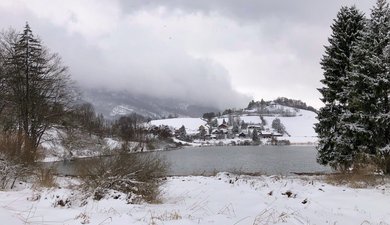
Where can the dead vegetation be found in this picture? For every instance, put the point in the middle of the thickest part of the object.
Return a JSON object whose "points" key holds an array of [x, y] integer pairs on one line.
{"points": [[16, 165], [363, 175], [355, 180], [44, 177], [138, 176], [12, 162], [367, 171]]}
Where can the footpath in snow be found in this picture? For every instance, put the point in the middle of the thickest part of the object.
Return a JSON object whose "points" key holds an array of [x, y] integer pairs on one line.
{"points": [[223, 199]]}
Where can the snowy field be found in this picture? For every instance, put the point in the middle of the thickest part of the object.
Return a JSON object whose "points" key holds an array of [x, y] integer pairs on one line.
{"points": [[191, 124], [300, 127], [224, 199]]}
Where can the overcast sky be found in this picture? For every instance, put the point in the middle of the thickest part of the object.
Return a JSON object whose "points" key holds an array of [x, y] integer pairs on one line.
{"points": [[220, 52]]}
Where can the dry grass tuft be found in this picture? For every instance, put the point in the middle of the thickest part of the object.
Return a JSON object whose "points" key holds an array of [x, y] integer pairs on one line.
{"points": [[155, 218], [355, 179], [45, 177]]}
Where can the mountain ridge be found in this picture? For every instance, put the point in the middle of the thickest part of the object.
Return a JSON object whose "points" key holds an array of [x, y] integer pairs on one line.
{"points": [[113, 104]]}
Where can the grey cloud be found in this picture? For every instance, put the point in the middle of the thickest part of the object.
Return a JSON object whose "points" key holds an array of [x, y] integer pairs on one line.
{"points": [[138, 62], [138, 59], [309, 11], [300, 26]]}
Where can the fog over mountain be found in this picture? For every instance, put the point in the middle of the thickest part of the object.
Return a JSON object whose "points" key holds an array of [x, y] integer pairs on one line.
{"points": [[210, 53], [113, 104]]}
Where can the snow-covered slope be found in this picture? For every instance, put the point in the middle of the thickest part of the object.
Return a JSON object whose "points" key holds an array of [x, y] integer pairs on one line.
{"points": [[251, 119], [121, 110], [299, 124], [191, 124], [300, 128]]}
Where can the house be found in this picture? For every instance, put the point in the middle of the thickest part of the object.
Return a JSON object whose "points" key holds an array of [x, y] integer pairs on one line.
{"points": [[223, 126], [242, 135], [265, 134], [220, 134], [276, 134], [269, 134], [254, 127], [210, 136]]}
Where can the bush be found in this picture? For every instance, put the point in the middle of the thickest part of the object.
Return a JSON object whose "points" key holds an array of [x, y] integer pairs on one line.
{"points": [[12, 148], [45, 177], [12, 161], [136, 175], [9, 172]]}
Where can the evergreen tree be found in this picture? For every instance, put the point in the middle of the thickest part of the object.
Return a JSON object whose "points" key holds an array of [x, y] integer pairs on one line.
{"points": [[209, 116], [255, 136], [236, 128], [365, 120], [202, 132], [244, 125], [367, 90], [251, 104], [278, 126], [337, 63], [182, 133], [214, 123], [379, 41]]}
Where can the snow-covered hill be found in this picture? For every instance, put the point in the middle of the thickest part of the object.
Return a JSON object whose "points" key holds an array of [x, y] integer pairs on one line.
{"points": [[299, 128], [191, 124]]}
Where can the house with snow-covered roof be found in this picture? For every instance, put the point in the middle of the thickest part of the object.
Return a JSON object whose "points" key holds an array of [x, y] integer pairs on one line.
{"points": [[223, 126]]}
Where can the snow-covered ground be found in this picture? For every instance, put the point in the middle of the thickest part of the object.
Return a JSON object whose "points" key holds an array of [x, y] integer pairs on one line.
{"points": [[224, 199], [191, 124], [300, 128], [251, 119], [53, 149]]}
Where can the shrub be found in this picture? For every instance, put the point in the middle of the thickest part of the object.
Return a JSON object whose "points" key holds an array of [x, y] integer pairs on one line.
{"points": [[8, 173], [45, 177], [12, 161], [137, 175]]}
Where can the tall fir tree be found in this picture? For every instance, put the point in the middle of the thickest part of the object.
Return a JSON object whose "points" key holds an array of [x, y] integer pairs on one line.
{"points": [[369, 85], [380, 58], [333, 148], [380, 36]]}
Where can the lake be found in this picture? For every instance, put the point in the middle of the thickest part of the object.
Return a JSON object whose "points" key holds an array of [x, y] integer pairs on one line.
{"points": [[270, 160]]}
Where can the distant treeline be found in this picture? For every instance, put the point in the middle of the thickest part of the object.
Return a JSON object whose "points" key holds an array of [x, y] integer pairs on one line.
{"points": [[282, 101], [294, 103]]}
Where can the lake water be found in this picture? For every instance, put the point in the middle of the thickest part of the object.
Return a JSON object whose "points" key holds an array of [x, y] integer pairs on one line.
{"points": [[271, 160], [252, 159]]}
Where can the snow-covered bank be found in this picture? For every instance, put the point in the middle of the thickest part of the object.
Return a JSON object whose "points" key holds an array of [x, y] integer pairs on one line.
{"points": [[224, 199]]}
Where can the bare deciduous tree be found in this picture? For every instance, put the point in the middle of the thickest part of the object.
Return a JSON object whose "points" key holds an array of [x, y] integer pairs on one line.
{"points": [[36, 88]]}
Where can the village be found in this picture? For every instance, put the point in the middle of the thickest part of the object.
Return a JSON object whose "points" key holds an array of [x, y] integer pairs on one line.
{"points": [[259, 123]]}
